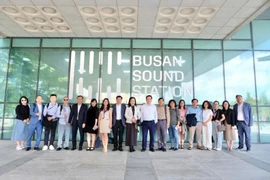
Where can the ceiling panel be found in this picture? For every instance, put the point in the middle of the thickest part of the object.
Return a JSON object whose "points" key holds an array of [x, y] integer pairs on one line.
{"points": [[21, 2], [85, 3], [191, 3], [235, 3], [127, 3], [43, 2], [170, 3], [255, 3], [63, 2]]}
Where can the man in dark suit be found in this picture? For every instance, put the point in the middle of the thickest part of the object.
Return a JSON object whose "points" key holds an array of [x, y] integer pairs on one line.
{"points": [[244, 117], [118, 122], [77, 120]]}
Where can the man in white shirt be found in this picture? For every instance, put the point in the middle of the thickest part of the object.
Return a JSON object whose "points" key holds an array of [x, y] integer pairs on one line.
{"points": [[148, 119]]}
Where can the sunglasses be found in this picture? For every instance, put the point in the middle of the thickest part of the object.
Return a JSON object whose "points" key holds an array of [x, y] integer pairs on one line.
{"points": [[23, 100], [65, 99]]}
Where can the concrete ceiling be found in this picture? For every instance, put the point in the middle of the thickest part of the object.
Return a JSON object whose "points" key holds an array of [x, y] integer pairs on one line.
{"points": [[210, 19]]}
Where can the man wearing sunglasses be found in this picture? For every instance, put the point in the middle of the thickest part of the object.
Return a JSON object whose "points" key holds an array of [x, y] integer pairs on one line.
{"points": [[63, 112]]}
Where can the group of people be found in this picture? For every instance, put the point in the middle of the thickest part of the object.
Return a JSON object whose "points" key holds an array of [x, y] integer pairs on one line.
{"points": [[209, 123]]}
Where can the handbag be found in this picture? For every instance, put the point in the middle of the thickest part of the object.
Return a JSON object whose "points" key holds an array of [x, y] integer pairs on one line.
{"points": [[46, 122], [97, 143], [221, 128]]}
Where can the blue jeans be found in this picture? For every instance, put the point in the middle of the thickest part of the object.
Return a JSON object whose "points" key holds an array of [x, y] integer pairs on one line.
{"points": [[31, 130], [173, 133], [63, 129]]}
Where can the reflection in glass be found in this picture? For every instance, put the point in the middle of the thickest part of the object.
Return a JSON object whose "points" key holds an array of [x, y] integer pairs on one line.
{"points": [[3, 71]]}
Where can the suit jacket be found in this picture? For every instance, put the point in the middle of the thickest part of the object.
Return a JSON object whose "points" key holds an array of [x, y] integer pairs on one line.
{"points": [[247, 111], [82, 114], [123, 118], [33, 110], [129, 114]]}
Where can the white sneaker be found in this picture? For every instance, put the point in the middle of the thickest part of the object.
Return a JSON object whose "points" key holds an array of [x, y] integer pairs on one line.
{"points": [[18, 148], [214, 148], [45, 148], [51, 147], [22, 147], [218, 149]]}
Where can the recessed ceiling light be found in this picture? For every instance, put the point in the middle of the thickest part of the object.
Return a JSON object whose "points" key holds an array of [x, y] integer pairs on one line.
{"points": [[92, 20], [63, 28], [164, 20], [95, 28], [187, 11], [161, 28], [57, 20], [31, 28], [49, 10], [128, 11], [39, 20], [200, 21], [167, 11], [207, 11], [10, 10], [29, 10], [112, 28], [47, 28], [178, 29], [21, 19], [108, 10], [194, 29], [182, 21], [88, 10], [129, 28], [128, 20], [110, 20]]}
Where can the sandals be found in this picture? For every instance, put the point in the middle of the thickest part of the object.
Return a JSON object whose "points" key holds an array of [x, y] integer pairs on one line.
{"points": [[88, 149]]}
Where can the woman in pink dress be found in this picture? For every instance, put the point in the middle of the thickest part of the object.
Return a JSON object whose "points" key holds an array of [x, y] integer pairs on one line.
{"points": [[183, 128]]}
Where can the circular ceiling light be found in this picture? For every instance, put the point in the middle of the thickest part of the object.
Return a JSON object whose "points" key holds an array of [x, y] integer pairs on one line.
{"points": [[207, 11], [128, 11], [182, 21], [112, 28], [110, 20], [10, 10], [194, 29], [108, 10], [92, 20], [178, 29], [29, 10], [167, 11], [129, 28], [21, 19], [88, 10], [161, 28], [63, 28], [57, 20], [49, 10], [200, 21], [39, 20], [187, 11], [47, 28], [164, 20], [95, 28], [128, 20], [31, 28]]}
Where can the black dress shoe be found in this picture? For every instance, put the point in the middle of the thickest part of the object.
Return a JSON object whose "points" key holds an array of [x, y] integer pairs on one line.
{"points": [[80, 148], [121, 149], [171, 148], [159, 149], [72, 149], [143, 150], [164, 149], [66, 148], [248, 149], [239, 148], [27, 149], [37, 148], [175, 149], [152, 149], [58, 149], [114, 149]]}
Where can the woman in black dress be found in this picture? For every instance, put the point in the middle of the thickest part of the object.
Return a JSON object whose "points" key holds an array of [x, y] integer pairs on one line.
{"points": [[91, 127]]}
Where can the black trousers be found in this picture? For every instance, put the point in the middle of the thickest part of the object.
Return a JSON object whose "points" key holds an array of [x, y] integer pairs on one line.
{"points": [[118, 131], [75, 128], [50, 130]]}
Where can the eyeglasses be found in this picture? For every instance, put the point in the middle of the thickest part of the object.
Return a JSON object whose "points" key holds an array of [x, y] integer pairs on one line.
{"points": [[65, 99], [23, 100]]}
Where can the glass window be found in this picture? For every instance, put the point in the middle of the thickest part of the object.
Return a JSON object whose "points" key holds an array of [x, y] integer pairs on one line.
{"points": [[115, 75], [146, 43], [208, 76], [177, 70], [264, 120], [239, 69], [9, 120], [147, 75], [84, 74], [25, 42], [22, 74], [116, 43], [235, 44], [262, 64], [53, 77], [243, 33], [206, 44], [86, 43], [3, 71], [261, 35], [254, 128], [176, 44], [55, 42], [4, 42]]}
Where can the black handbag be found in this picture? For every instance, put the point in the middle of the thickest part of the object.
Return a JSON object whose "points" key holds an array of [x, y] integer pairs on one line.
{"points": [[191, 120], [46, 122]]}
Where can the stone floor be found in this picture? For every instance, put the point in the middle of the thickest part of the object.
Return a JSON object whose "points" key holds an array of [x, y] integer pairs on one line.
{"points": [[181, 164]]}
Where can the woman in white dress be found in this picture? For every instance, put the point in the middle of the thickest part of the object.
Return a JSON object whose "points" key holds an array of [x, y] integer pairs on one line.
{"points": [[207, 114]]}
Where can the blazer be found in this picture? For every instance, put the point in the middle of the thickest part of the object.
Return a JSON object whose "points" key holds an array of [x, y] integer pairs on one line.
{"points": [[33, 110], [247, 111], [129, 114], [82, 114], [123, 118]]}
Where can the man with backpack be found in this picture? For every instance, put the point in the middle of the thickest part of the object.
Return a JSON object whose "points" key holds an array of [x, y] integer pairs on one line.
{"points": [[63, 112], [162, 125]]}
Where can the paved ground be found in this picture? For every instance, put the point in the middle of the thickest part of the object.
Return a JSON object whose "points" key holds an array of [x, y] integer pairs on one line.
{"points": [[182, 164]]}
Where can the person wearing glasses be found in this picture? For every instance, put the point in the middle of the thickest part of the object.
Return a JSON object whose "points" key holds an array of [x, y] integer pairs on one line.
{"points": [[19, 133], [63, 112]]}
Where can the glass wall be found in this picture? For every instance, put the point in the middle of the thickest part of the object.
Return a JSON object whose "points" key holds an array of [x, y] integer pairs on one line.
{"points": [[170, 68]]}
